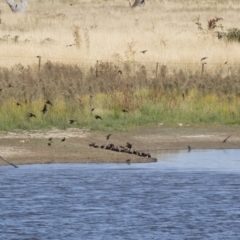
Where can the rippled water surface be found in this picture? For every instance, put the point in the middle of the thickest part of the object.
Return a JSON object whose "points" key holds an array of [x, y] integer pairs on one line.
{"points": [[183, 196]]}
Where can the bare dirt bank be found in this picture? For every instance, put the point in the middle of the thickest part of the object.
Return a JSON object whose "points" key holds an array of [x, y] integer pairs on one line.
{"points": [[32, 147]]}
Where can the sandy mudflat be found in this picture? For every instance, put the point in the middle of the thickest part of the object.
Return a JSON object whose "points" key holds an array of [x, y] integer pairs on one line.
{"points": [[30, 147]]}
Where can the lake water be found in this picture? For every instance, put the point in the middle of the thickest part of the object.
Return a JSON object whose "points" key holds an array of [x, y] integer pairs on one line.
{"points": [[184, 195]]}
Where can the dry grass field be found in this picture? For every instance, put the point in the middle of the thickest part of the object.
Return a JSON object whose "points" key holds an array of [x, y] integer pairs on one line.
{"points": [[91, 57], [111, 31]]}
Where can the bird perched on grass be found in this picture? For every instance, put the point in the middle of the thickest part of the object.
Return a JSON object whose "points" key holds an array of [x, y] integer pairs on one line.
{"points": [[18, 104], [203, 58], [10, 85], [98, 117], [124, 110], [31, 115], [44, 110], [225, 140], [108, 136]]}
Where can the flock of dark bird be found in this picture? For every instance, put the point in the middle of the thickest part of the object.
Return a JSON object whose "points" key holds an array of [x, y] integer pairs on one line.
{"points": [[45, 109], [122, 149]]}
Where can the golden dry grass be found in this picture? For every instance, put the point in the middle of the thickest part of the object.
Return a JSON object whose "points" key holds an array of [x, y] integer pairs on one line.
{"points": [[112, 31]]}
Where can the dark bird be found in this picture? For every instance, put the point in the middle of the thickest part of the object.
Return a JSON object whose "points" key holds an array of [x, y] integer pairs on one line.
{"points": [[108, 136], [189, 148], [219, 35], [31, 115], [128, 161], [71, 121], [225, 63], [63, 139], [50, 139], [18, 104], [183, 96], [10, 86], [129, 145], [44, 110], [70, 45], [49, 144], [92, 144], [120, 72], [124, 110], [48, 102], [144, 51], [98, 117], [203, 58], [225, 140]]}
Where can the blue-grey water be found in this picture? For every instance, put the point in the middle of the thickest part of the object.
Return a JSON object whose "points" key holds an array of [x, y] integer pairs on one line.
{"points": [[184, 195]]}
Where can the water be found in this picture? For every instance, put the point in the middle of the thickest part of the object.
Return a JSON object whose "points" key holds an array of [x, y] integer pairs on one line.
{"points": [[183, 196]]}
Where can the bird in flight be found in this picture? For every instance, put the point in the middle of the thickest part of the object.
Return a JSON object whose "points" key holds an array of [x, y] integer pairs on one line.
{"points": [[98, 117], [44, 110], [226, 139], [70, 45], [31, 115], [48, 102], [71, 121], [144, 51], [108, 136], [203, 58]]}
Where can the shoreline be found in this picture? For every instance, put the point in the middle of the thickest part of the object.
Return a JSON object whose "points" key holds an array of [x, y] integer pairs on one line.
{"points": [[31, 147]]}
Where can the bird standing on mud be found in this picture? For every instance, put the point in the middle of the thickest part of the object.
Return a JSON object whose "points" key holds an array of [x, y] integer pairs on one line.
{"points": [[108, 136]]}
